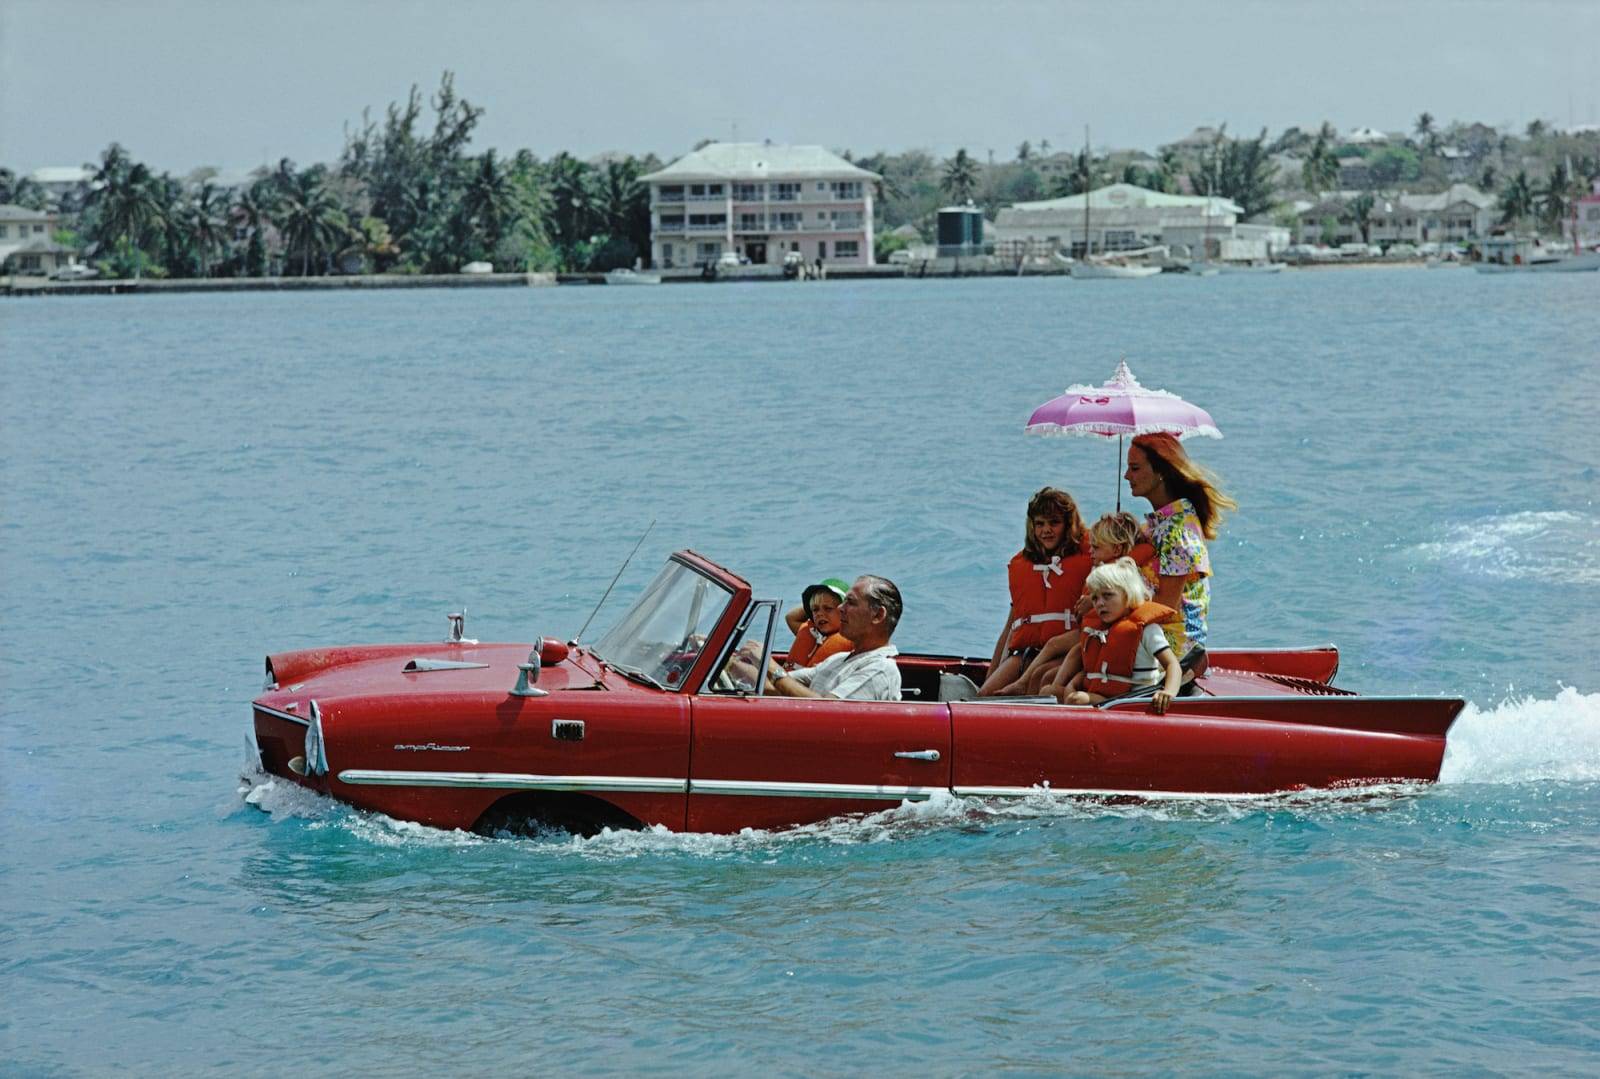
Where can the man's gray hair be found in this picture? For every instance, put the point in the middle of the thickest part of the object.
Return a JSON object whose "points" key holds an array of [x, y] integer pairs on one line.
{"points": [[881, 592]]}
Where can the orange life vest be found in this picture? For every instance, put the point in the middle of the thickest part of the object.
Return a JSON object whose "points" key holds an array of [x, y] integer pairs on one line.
{"points": [[808, 651], [1144, 556], [1108, 652], [1043, 595]]}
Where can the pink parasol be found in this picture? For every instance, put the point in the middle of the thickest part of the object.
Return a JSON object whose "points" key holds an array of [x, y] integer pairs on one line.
{"points": [[1120, 407]]}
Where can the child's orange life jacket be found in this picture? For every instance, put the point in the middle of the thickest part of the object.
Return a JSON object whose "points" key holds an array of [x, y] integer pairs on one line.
{"points": [[1109, 651], [1043, 595]]}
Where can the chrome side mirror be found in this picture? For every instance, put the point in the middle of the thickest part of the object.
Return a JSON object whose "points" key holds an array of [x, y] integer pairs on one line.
{"points": [[529, 675]]}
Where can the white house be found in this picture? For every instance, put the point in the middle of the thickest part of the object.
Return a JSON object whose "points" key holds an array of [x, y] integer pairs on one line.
{"points": [[1461, 212], [21, 227], [760, 201], [1122, 217]]}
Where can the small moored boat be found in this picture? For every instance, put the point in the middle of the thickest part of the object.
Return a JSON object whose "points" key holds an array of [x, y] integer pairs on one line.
{"points": [[632, 277]]}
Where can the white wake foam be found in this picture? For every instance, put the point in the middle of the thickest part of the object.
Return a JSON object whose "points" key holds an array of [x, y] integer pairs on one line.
{"points": [[1524, 740], [1557, 544]]}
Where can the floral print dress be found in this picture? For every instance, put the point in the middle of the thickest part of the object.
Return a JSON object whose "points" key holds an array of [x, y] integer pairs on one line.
{"points": [[1174, 530]]}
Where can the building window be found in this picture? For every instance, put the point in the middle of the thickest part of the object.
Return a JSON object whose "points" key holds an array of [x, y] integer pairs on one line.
{"points": [[751, 223], [714, 189], [1120, 240], [785, 192], [704, 222], [666, 255], [38, 228], [1592, 214], [5, 230], [672, 224], [847, 219], [747, 192], [707, 252], [847, 189], [822, 249], [821, 186], [789, 222], [847, 249], [670, 193]]}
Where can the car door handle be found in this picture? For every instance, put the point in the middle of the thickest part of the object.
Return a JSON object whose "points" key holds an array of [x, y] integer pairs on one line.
{"points": [[919, 754]]}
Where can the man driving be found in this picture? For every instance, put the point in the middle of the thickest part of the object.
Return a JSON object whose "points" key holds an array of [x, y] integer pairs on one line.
{"points": [[868, 615]]}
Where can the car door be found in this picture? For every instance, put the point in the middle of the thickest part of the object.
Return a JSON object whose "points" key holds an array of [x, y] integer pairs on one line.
{"points": [[1009, 748], [773, 762]]}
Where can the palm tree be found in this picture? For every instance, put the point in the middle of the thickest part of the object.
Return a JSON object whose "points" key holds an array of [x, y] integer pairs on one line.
{"points": [[572, 213], [1516, 199], [1321, 169], [127, 208], [1425, 126], [1555, 197], [490, 199], [1536, 128], [1025, 151], [960, 178], [1360, 212], [308, 213], [203, 220], [252, 211], [624, 203]]}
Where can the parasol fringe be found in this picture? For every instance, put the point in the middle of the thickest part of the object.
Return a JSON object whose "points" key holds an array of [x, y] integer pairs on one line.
{"points": [[1055, 430]]}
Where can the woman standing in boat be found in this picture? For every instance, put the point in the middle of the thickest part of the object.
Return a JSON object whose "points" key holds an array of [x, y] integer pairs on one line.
{"points": [[1188, 507]]}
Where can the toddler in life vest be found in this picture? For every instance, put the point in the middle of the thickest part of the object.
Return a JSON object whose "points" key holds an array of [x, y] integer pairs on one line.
{"points": [[1045, 578], [1111, 537], [818, 637], [1123, 646]]}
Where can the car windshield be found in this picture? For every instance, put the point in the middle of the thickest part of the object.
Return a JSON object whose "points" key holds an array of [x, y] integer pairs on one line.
{"points": [[661, 636]]}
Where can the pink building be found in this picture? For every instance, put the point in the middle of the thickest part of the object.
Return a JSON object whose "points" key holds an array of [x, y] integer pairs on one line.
{"points": [[1584, 226], [759, 202]]}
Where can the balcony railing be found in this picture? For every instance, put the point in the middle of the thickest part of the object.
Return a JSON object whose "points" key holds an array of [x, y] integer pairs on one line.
{"points": [[708, 198], [718, 227]]}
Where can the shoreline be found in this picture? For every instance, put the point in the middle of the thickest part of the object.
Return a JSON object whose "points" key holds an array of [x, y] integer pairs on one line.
{"points": [[933, 270]]}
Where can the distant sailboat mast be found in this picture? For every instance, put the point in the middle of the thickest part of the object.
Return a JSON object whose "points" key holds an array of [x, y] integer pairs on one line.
{"points": [[1087, 246]]}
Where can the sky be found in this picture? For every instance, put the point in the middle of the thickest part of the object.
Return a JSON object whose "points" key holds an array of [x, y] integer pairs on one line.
{"points": [[235, 84]]}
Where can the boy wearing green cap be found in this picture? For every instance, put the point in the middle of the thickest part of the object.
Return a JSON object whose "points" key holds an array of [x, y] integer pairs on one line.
{"points": [[817, 637]]}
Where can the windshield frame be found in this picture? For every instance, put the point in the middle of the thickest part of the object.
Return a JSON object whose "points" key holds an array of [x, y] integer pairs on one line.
{"points": [[735, 588]]}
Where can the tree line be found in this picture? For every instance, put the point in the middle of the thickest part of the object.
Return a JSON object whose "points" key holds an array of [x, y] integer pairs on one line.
{"points": [[407, 196]]}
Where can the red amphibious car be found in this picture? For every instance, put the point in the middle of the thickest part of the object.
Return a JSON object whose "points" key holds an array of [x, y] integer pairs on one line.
{"points": [[643, 727]]}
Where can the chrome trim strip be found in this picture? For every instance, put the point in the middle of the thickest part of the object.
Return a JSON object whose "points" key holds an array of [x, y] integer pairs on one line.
{"points": [[768, 789], [1343, 697], [378, 777], [1086, 792], [281, 715]]}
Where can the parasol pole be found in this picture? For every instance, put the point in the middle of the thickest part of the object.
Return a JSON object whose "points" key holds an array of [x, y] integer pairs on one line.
{"points": [[1119, 477]]}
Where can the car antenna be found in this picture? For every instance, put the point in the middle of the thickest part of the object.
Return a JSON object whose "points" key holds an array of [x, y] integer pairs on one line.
{"points": [[614, 581]]}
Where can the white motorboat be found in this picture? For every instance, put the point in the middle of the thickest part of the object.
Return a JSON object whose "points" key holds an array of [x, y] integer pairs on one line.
{"points": [[1090, 271], [1578, 263], [1251, 267], [632, 277]]}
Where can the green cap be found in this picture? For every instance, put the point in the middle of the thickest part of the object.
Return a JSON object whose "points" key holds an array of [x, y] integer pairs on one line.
{"points": [[831, 584]]}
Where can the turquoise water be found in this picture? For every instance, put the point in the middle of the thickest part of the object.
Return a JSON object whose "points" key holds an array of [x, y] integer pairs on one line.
{"points": [[190, 482]]}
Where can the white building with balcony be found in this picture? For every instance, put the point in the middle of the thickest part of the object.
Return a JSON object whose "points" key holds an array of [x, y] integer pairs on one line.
{"points": [[760, 202], [21, 227]]}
